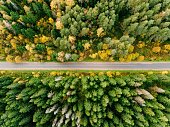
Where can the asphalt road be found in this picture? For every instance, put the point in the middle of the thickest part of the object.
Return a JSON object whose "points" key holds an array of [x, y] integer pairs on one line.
{"points": [[86, 66]]}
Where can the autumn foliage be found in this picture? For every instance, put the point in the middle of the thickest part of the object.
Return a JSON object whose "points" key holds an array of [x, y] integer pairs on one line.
{"points": [[106, 30]]}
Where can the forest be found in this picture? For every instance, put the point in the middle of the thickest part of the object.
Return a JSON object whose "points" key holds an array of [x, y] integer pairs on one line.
{"points": [[84, 30], [84, 99]]}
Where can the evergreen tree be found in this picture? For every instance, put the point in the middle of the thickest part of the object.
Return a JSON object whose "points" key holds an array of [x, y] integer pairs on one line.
{"points": [[40, 99]]}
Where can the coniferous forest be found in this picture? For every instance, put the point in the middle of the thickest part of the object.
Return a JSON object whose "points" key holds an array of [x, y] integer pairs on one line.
{"points": [[84, 99]]}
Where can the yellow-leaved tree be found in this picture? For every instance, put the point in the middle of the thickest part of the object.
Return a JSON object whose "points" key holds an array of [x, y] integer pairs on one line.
{"points": [[100, 31], [13, 43], [86, 46], [93, 56], [9, 58], [18, 59], [59, 25], [103, 55], [167, 47], [109, 73], [156, 49], [70, 3], [140, 58], [72, 39]]}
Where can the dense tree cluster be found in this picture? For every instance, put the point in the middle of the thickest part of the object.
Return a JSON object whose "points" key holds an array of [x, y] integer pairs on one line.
{"points": [[65, 30], [107, 100]]}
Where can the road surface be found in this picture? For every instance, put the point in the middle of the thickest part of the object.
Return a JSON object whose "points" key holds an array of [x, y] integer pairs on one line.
{"points": [[86, 66]]}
